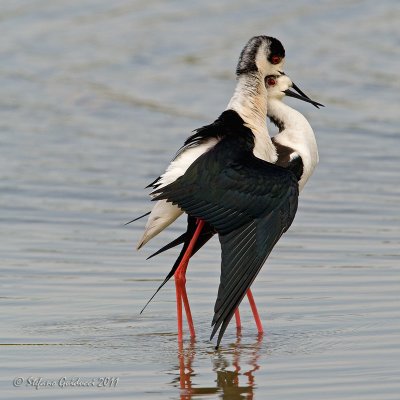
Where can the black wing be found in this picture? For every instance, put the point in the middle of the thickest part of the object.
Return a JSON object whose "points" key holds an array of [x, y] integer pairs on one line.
{"points": [[244, 252], [249, 202]]}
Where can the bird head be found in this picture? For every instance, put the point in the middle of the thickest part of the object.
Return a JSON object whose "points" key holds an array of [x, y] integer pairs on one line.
{"points": [[264, 55], [279, 86]]}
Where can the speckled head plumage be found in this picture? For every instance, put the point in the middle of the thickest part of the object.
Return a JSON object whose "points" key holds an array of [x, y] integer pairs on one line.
{"points": [[263, 54]]}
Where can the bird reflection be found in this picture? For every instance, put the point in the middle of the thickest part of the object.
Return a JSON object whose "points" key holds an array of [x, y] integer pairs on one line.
{"points": [[232, 381]]}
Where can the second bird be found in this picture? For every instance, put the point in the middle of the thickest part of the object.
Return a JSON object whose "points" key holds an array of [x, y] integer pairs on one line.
{"points": [[231, 185]]}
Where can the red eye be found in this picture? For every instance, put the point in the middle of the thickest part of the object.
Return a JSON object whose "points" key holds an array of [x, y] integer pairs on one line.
{"points": [[271, 81], [275, 59]]}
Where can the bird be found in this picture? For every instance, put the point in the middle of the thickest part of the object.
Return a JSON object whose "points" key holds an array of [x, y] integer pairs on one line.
{"points": [[297, 151], [236, 145], [261, 56]]}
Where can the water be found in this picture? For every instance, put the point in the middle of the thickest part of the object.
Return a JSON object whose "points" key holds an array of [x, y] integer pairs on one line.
{"points": [[96, 98]]}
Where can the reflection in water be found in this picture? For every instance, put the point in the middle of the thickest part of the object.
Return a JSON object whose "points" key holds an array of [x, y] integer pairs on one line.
{"points": [[232, 381]]}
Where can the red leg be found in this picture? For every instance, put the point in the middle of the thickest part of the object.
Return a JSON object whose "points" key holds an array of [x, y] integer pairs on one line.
{"points": [[179, 309], [180, 285], [237, 318], [255, 312], [188, 312]]}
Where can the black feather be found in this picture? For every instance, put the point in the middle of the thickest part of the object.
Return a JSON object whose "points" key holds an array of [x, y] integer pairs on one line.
{"points": [[144, 215], [154, 183], [248, 201]]}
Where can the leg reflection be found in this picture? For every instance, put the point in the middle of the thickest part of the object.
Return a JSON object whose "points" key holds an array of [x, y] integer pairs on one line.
{"points": [[185, 358], [234, 369]]}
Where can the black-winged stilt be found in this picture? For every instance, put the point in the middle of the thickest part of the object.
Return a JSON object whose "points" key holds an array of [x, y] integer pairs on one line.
{"points": [[225, 179]]}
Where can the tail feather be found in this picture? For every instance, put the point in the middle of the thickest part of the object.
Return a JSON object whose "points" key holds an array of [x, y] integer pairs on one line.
{"points": [[161, 216], [136, 219], [176, 242]]}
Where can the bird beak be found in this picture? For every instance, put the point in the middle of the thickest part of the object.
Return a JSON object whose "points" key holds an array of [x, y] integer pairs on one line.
{"points": [[301, 96]]}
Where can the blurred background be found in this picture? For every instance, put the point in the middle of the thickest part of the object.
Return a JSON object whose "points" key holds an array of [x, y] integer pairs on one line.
{"points": [[96, 97]]}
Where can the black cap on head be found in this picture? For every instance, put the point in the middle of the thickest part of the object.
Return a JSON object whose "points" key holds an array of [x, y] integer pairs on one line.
{"points": [[276, 48]]}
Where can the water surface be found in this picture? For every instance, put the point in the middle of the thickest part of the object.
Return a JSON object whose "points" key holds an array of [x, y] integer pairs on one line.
{"points": [[96, 98]]}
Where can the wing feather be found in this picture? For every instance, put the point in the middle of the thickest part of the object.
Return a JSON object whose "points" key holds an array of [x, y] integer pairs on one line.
{"points": [[250, 203]]}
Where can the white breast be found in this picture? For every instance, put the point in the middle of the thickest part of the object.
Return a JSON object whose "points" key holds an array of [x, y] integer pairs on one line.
{"points": [[304, 145], [263, 146]]}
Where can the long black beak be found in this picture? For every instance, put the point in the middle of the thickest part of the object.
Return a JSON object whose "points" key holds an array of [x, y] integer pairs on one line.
{"points": [[298, 90], [301, 96]]}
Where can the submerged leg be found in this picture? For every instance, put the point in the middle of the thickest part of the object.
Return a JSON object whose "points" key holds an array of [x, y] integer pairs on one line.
{"points": [[188, 312], [237, 318], [180, 285], [178, 292]]}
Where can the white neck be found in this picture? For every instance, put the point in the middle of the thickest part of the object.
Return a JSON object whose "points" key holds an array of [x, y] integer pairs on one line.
{"points": [[297, 134], [250, 101]]}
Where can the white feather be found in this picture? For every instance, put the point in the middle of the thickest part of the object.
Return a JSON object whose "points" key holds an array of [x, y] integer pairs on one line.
{"points": [[250, 102], [164, 213], [297, 135], [183, 161]]}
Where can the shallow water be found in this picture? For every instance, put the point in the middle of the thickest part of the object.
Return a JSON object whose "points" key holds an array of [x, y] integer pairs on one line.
{"points": [[97, 97]]}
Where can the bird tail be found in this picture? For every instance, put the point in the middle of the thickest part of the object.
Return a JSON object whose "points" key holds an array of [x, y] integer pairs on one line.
{"points": [[176, 242], [161, 216]]}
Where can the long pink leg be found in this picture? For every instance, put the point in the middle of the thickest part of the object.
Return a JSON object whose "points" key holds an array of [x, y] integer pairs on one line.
{"points": [[256, 316], [180, 285], [255, 312], [178, 292], [237, 318], [188, 311]]}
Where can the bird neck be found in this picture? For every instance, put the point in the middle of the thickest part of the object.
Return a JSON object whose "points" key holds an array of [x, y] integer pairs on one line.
{"points": [[295, 132], [250, 101]]}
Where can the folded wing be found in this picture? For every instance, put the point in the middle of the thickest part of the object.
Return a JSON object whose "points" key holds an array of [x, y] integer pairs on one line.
{"points": [[250, 203]]}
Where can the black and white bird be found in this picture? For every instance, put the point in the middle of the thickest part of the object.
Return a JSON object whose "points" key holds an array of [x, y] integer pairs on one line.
{"points": [[262, 56], [225, 179], [297, 152]]}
